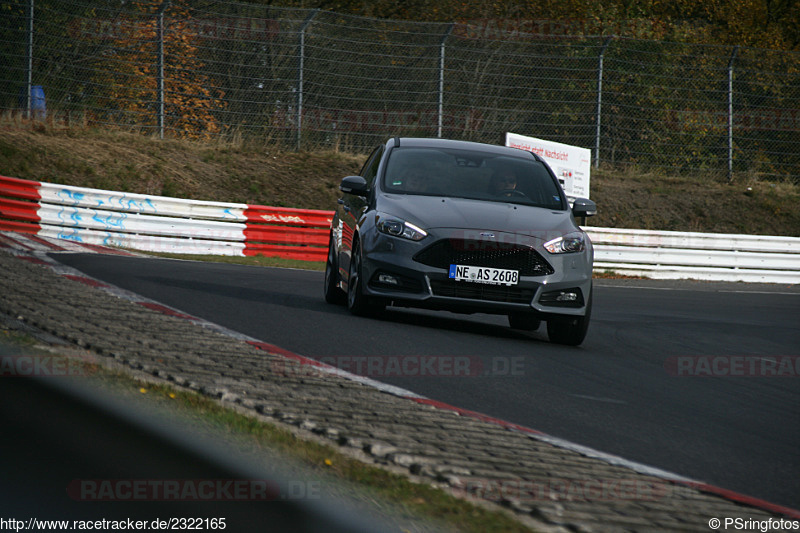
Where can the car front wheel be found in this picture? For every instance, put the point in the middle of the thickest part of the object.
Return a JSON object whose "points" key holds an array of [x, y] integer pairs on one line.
{"points": [[333, 294], [357, 302], [570, 330]]}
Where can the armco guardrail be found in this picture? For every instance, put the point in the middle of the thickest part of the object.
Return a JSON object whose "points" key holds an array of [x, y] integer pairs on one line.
{"points": [[707, 256], [161, 224]]}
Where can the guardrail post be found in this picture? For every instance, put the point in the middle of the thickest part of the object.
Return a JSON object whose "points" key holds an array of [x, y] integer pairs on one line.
{"points": [[599, 101]]}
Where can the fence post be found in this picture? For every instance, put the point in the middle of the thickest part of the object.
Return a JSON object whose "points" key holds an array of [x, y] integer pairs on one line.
{"points": [[599, 101], [300, 67], [29, 83], [161, 9], [730, 112], [441, 78]]}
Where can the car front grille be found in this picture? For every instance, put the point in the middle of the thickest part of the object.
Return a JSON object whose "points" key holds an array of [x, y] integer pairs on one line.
{"points": [[481, 291], [511, 256]]}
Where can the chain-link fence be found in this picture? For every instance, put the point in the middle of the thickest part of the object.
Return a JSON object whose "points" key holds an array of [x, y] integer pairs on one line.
{"points": [[314, 79]]}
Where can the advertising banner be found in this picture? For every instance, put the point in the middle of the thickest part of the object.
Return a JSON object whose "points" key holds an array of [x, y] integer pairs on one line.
{"points": [[570, 164]]}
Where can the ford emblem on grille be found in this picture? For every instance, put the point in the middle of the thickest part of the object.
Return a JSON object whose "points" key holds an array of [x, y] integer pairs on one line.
{"points": [[486, 234]]}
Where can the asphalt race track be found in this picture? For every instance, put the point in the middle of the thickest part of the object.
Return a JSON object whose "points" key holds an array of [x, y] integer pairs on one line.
{"points": [[652, 382]]}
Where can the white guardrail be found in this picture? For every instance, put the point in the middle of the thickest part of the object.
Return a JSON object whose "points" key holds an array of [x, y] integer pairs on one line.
{"points": [[161, 224], [702, 256]]}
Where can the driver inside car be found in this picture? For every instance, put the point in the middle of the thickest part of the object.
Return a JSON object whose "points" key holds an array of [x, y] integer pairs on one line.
{"points": [[503, 183], [416, 181]]}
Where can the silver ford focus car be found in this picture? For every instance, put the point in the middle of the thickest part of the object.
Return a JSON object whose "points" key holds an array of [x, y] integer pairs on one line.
{"points": [[463, 227]]}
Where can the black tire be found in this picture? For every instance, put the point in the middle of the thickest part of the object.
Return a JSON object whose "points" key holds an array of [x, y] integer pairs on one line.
{"points": [[333, 294], [357, 302], [524, 321], [570, 330]]}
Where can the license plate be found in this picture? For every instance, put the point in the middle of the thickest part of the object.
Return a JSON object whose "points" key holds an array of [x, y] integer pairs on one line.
{"points": [[491, 276]]}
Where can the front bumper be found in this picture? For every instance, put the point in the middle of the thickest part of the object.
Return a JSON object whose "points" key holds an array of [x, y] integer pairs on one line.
{"points": [[393, 275]]}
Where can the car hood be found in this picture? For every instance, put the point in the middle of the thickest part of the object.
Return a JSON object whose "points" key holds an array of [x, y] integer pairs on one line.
{"points": [[433, 212]]}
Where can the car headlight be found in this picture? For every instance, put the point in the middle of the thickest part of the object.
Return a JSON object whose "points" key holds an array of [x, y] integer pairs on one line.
{"points": [[569, 243], [401, 228]]}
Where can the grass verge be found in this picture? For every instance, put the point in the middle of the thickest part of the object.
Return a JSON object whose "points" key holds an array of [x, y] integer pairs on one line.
{"points": [[258, 260]]}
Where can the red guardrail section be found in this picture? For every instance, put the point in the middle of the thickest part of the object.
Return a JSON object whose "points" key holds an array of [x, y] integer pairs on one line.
{"points": [[285, 232], [19, 215], [288, 216], [17, 210], [17, 188]]}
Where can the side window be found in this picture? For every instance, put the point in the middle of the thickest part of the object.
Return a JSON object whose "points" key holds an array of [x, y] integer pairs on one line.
{"points": [[370, 169]]}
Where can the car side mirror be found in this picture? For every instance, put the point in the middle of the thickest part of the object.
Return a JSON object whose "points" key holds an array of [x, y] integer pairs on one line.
{"points": [[354, 185], [583, 207]]}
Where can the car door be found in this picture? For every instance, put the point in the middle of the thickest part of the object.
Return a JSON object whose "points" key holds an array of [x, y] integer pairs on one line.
{"points": [[351, 208]]}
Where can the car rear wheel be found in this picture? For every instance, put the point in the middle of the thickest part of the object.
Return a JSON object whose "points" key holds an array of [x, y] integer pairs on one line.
{"points": [[333, 294], [570, 330], [524, 321], [357, 302]]}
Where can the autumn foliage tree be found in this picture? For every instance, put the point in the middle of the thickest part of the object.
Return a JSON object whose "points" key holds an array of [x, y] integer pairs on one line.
{"points": [[759, 23], [189, 97]]}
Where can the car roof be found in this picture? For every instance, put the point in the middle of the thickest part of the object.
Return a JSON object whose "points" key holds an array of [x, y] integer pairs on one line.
{"points": [[422, 142]]}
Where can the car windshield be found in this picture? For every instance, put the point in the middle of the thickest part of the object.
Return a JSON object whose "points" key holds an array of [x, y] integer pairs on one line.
{"points": [[470, 174]]}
